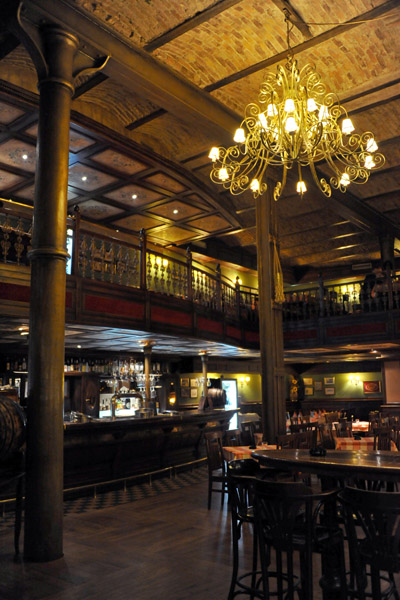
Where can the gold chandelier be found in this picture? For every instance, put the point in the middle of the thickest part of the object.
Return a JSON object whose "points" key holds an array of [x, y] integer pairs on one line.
{"points": [[297, 122]]}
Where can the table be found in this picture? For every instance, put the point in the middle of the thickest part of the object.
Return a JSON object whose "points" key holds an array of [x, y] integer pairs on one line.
{"points": [[337, 464], [366, 444], [236, 452]]}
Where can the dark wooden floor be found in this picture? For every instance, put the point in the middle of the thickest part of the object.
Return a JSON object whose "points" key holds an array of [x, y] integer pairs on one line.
{"points": [[167, 546]]}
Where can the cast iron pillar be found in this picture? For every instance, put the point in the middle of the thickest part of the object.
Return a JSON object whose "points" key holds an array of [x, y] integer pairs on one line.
{"points": [[270, 318], [45, 434]]}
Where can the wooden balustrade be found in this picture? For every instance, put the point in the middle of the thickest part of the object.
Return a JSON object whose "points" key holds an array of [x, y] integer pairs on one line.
{"points": [[106, 258]]}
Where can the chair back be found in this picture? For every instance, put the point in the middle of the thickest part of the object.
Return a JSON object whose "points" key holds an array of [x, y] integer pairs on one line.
{"points": [[382, 438], [344, 429], [373, 526], [215, 457], [246, 433], [232, 437], [303, 439], [326, 436], [241, 474]]}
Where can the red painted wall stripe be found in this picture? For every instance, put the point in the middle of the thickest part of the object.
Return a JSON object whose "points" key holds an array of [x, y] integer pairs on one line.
{"points": [[210, 325], [302, 334], [233, 332], [113, 306], [11, 291], [360, 329], [174, 317], [252, 336]]}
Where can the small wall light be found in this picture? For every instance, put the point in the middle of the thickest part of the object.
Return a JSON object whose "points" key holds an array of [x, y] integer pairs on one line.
{"points": [[354, 379]]}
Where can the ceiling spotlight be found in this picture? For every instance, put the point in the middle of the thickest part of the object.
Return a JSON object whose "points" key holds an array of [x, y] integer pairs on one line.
{"points": [[24, 157], [84, 178], [134, 196], [175, 211]]}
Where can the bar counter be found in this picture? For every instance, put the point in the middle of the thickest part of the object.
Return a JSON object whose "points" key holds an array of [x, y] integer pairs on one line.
{"points": [[106, 449]]}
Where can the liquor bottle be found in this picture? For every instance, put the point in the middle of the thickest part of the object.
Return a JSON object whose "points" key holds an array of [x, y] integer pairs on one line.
{"points": [[8, 364]]}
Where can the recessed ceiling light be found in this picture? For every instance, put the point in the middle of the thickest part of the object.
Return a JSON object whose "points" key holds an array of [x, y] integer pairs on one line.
{"points": [[79, 346], [24, 157], [134, 196], [84, 178], [175, 211], [24, 332]]}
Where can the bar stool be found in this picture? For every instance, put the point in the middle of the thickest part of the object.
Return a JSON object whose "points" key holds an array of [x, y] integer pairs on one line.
{"points": [[373, 530], [289, 519], [240, 477]]}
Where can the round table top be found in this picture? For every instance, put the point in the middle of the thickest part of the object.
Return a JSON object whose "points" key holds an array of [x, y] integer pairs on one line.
{"points": [[340, 464]]}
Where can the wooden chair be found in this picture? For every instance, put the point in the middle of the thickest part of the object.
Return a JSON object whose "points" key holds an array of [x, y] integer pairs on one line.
{"points": [[240, 474], [383, 438], [287, 521], [325, 435], [216, 465], [12, 476], [344, 429], [246, 433], [232, 437], [373, 531]]}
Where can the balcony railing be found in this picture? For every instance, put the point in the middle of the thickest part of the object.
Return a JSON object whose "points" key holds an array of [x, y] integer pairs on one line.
{"points": [[103, 256]]}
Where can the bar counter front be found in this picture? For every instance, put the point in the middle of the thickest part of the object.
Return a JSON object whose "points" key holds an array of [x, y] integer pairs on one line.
{"points": [[100, 450]]}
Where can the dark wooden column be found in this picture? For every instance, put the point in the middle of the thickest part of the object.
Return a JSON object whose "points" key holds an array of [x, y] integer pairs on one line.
{"points": [[147, 350], [270, 315], [44, 485]]}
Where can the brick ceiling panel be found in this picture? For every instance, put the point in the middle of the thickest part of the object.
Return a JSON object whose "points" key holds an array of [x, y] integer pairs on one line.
{"points": [[166, 182], [211, 223], [8, 179], [17, 153], [173, 234], [139, 21], [244, 37]]}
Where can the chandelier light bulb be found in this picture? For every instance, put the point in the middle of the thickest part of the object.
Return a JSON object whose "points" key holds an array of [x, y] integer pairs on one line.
{"points": [[291, 125], [289, 105], [347, 126], [223, 174], [372, 146], [271, 110], [345, 179], [214, 154], [311, 105], [369, 162], [301, 187], [239, 136], [255, 185]]}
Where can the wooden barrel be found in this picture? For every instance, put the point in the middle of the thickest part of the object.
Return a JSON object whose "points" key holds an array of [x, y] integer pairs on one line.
{"points": [[12, 427]]}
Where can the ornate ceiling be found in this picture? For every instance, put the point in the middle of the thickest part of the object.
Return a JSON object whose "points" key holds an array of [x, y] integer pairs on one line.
{"points": [[177, 81]]}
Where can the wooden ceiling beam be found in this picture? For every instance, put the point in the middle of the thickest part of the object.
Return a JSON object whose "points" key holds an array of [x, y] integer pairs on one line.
{"points": [[311, 43], [189, 24]]}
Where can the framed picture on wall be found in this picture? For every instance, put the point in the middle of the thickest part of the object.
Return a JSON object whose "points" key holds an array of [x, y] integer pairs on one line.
{"points": [[193, 392], [307, 380], [193, 383], [184, 392], [329, 391], [371, 387], [317, 386], [184, 381], [308, 391], [329, 381]]}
